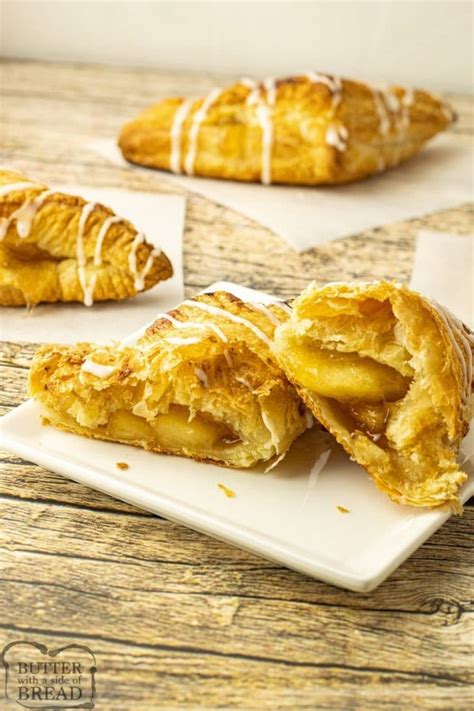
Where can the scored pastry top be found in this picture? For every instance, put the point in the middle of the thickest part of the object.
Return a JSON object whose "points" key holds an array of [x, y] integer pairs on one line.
{"points": [[310, 129], [59, 247], [206, 368]]}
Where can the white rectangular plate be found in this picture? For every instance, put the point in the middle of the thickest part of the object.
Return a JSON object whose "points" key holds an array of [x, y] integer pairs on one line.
{"points": [[288, 515]]}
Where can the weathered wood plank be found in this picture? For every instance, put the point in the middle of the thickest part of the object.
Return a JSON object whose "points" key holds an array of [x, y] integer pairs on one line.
{"points": [[177, 619], [151, 677]]}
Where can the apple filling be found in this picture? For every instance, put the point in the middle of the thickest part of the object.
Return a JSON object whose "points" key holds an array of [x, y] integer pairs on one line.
{"points": [[361, 389], [173, 430]]}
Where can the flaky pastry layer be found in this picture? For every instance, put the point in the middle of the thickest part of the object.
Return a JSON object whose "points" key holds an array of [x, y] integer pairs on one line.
{"points": [[310, 129], [202, 383], [58, 247], [389, 373]]}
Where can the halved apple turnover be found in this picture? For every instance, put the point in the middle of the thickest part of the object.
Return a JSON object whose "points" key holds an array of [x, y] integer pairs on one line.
{"points": [[389, 373], [309, 129], [58, 247], [202, 382]]}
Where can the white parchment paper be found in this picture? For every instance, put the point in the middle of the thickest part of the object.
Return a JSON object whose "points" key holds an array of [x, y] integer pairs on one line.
{"points": [[443, 269], [440, 176], [161, 218]]}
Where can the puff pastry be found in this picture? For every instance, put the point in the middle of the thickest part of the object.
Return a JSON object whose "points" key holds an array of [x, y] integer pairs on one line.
{"points": [[389, 373], [202, 382], [56, 247], [305, 130]]}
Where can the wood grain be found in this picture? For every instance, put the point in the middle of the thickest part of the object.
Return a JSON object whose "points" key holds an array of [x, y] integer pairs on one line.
{"points": [[176, 619]]}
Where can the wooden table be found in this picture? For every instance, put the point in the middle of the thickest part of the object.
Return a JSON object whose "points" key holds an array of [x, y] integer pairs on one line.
{"points": [[176, 619]]}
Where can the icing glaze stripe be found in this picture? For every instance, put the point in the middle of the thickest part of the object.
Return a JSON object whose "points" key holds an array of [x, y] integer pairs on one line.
{"points": [[216, 311], [266, 311], [101, 236], [198, 118], [80, 256], [17, 187], [176, 134], [194, 324]]}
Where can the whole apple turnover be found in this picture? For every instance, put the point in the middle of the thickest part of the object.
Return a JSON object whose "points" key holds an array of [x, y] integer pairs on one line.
{"points": [[58, 247], [389, 373], [309, 129], [202, 383]]}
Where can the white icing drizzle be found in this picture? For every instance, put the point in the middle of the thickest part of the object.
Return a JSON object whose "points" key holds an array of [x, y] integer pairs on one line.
{"points": [[337, 136], [228, 359], [456, 331], [139, 277], [101, 236], [243, 381], [309, 418], [318, 467], [407, 101], [334, 84], [25, 214], [176, 134], [265, 119], [97, 369], [216, 311], [202, 376], [17, 187], [249, 83], [392, 101], [195, 324], [198, 118], [177, 341], [382, 111], [87, 290], [266, 311], [283, 306], [275, 462], [273, 433]]}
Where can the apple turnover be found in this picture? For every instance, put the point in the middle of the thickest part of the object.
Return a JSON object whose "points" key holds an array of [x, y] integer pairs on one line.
{"points": [[310, 129], [389, 373], [202, 382], [58, 247]]}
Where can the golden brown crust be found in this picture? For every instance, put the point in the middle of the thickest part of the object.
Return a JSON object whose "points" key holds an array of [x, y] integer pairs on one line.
{"points": [[42, 263], [413, 455], [324, 130], [215, 373]]}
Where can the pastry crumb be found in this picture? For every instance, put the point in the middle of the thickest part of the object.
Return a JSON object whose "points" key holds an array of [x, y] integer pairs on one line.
{"points": [[228, 492], [122, 465], [342, 509]]}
